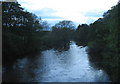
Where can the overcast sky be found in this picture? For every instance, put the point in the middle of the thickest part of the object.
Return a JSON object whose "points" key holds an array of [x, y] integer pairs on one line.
{"points": [[78, 11]]}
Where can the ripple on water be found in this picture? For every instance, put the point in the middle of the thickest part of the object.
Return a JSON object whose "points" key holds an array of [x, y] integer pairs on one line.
{"points": [[69, 66]]}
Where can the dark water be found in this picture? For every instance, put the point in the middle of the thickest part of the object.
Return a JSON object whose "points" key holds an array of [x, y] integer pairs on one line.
{"points": [[53, 66]]}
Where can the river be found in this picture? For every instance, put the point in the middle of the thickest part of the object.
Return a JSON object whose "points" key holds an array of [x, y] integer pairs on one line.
{"points": [[53, 66]]}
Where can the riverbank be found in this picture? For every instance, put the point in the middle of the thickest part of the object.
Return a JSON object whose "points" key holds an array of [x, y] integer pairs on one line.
{"points": [[111, 70]]}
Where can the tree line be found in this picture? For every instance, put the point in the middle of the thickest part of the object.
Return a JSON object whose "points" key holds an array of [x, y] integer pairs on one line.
{"points": [[102, 39], [23, 33]]}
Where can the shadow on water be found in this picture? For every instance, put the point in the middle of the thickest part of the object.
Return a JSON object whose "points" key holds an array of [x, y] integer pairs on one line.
{"points": [[53, 66]]}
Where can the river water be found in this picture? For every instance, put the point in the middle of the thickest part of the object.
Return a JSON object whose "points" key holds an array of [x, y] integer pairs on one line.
{"points": [[53, 66]]}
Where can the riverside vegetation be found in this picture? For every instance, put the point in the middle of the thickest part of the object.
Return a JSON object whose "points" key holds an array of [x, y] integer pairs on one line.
{"points": [[23, 34]]}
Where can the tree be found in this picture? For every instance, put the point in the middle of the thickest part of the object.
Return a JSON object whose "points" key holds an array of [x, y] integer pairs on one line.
{"points": [[45, 26], [65, 24], [104, 42], [18, 32], [81, 35]]}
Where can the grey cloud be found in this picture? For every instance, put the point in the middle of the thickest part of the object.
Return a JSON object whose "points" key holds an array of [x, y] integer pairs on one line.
{"points": [[44, 11], [94, 14], [51, 17]]}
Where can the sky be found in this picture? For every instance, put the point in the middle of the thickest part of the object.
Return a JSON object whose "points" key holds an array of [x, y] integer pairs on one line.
{"points": [[78, 11]]}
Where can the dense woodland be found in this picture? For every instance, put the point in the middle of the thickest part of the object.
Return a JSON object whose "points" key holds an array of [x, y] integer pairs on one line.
{"points": [[23, 34]]}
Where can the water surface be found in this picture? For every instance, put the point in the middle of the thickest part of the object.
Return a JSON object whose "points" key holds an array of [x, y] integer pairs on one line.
{"points": [[53, 66]]}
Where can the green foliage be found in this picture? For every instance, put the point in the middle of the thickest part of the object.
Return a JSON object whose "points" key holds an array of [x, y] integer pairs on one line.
{"points": [[58, 38], [65, 24], [81, 34], [61, 37], [18, 32], [104, 42], [102, 39], [24, 33]]}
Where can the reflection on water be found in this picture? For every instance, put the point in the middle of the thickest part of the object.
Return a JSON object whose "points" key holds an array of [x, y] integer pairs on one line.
{"points": [[53, 66]]}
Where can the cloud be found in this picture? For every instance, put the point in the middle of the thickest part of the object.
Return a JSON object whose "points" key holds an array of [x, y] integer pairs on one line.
{"points": [[48, 15], [44, 11], [52, 17], [90, 20], [94, 14], [52, 22], [79, 11]]}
